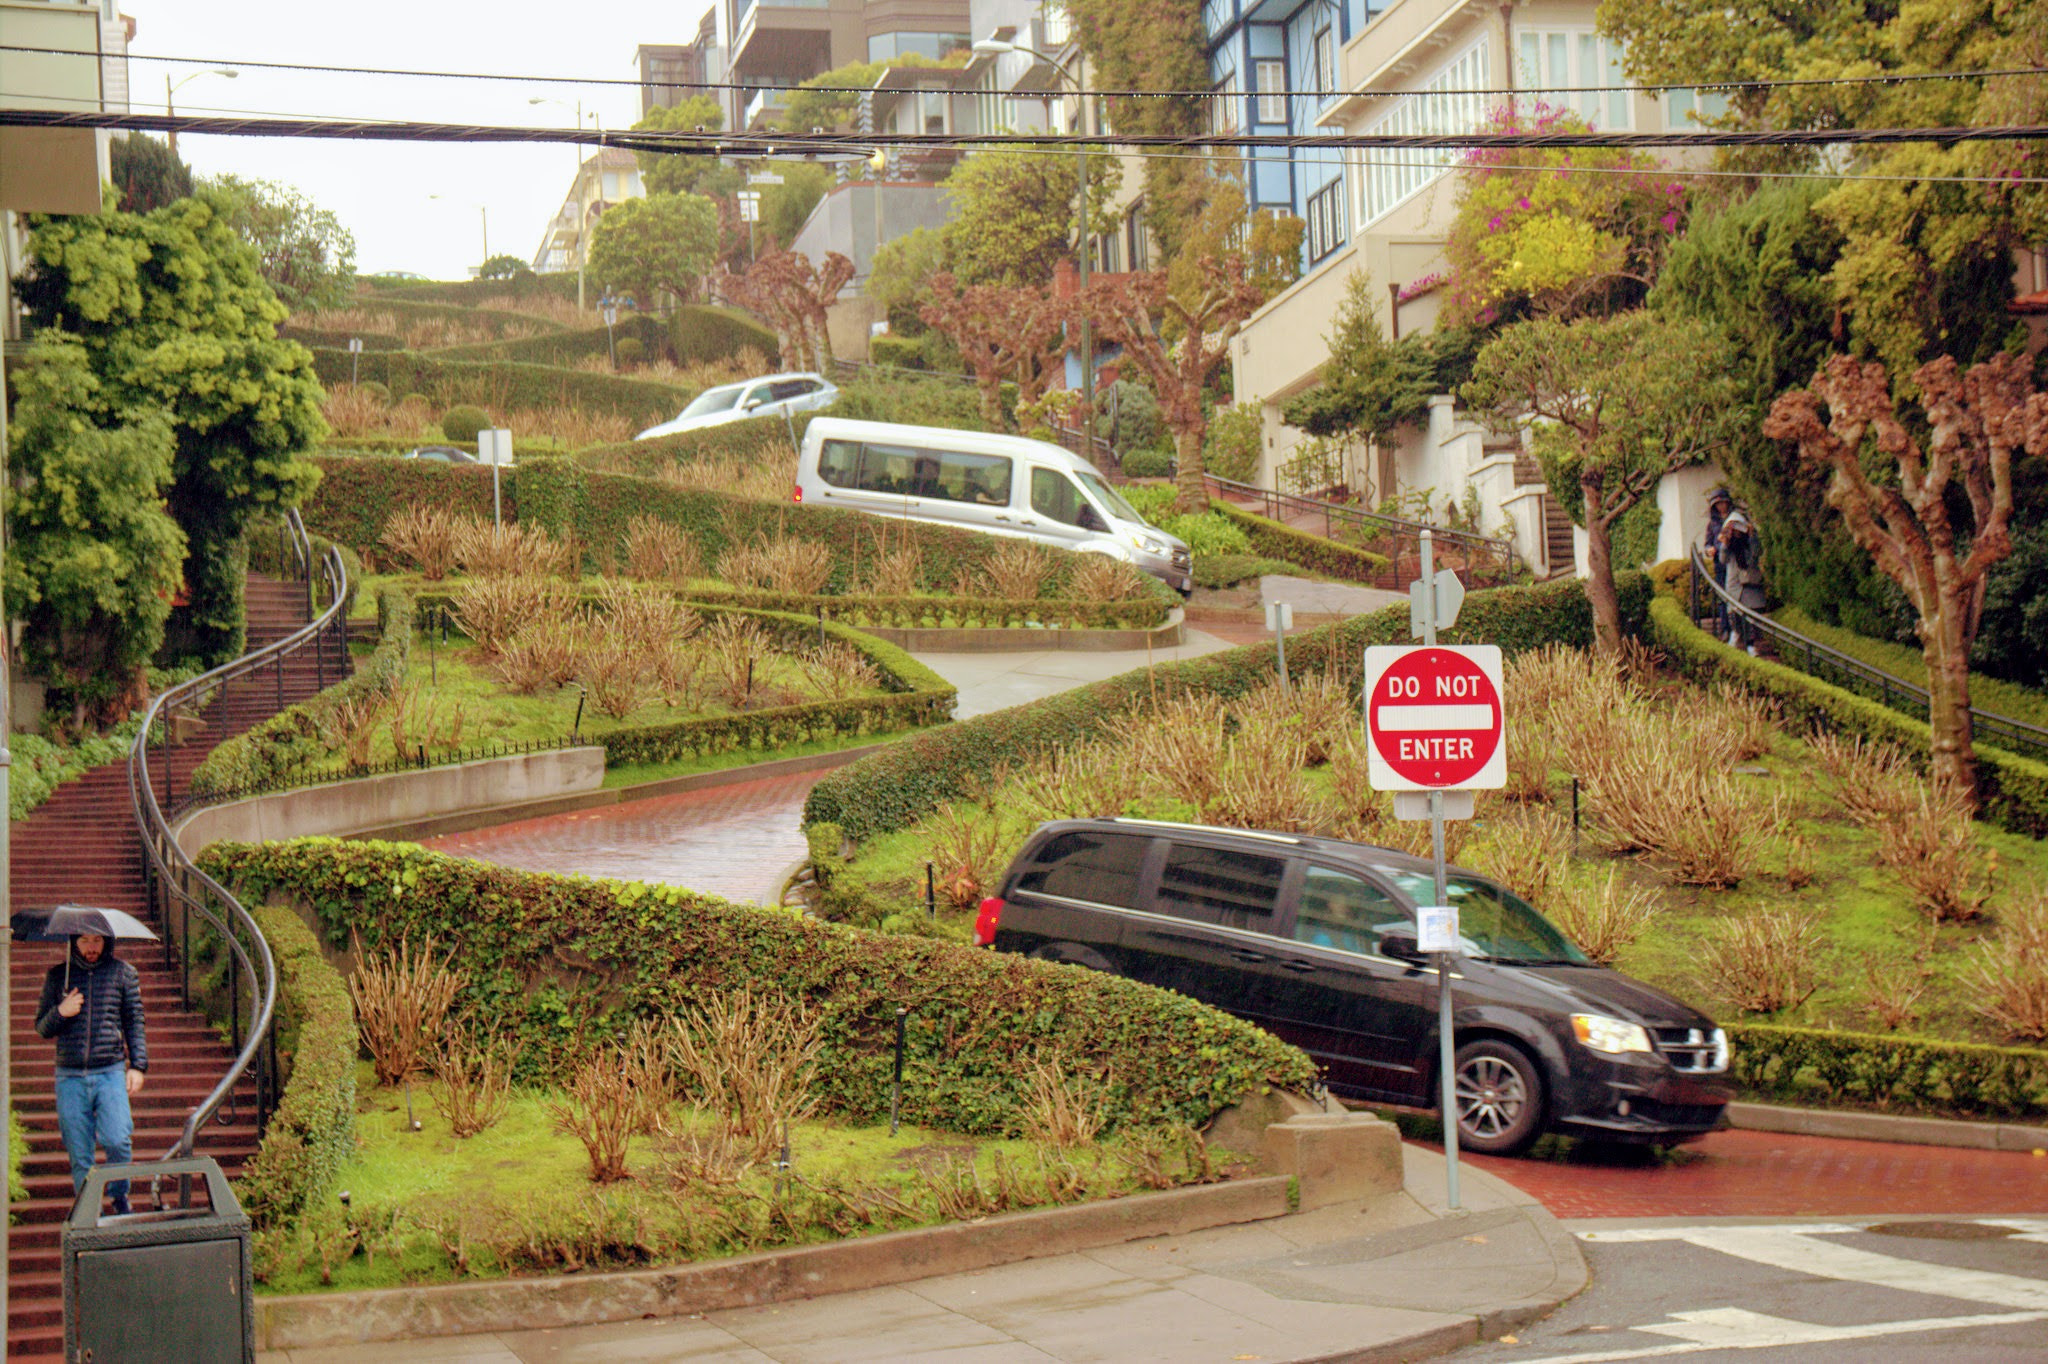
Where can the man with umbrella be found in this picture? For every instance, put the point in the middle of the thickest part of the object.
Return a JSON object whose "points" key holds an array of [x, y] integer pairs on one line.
{"points": [[92, 1007]]}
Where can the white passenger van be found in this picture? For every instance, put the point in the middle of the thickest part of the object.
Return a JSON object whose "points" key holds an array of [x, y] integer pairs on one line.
{"points": [[1000, 485]]}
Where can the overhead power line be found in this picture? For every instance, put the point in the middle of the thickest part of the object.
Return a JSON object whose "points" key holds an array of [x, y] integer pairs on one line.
{"points": [[1887, 78]]}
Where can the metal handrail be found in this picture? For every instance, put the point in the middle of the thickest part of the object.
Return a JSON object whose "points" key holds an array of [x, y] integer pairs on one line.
{"points": [[1485, 556], [1849, 672], [169, 873]]}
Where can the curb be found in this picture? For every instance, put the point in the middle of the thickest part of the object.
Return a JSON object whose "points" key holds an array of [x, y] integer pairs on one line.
{"points": [[1028, 639], [1813, 1122]]}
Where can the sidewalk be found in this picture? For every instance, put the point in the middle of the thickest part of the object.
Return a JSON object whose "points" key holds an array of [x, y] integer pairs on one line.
{"points": [[1396, 1278]]}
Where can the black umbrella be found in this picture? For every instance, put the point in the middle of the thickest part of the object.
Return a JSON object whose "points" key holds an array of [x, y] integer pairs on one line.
{"points": [[69, 921]]}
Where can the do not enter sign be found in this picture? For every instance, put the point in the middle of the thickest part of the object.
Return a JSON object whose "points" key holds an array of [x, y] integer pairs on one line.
{"points": [[1434, 719]]}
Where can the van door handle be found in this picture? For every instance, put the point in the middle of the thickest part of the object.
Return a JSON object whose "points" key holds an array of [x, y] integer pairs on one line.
{"points": [[1002, 518], [1249, 958], [1300, 968]]}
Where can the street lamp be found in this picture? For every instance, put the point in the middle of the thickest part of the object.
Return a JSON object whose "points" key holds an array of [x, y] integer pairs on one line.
{"points": [[581, 241], [484, 217], [170, 89], [995, 47]]}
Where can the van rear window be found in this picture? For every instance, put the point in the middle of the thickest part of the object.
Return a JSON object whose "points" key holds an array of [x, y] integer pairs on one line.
{"points": [[1100, 868], [839, 463], [1220, 886]]}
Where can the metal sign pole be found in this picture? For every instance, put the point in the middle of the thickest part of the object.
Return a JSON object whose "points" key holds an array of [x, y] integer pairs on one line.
{"points": [[1446, 962]]}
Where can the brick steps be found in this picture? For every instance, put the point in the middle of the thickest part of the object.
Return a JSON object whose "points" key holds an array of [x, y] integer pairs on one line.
{"points": [[82, 845]]}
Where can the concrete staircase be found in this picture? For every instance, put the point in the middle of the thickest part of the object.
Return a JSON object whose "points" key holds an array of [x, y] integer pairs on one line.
{"points": [[82, 845]]}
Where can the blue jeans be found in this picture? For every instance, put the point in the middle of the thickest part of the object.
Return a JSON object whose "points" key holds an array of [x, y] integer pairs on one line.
{"points": [[92, 1108]]}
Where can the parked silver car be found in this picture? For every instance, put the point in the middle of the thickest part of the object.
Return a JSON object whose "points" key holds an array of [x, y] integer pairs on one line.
{"points": [[774, 395]]}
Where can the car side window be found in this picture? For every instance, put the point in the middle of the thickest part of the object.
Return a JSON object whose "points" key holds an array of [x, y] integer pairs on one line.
{"points": [[1337, 909], [1054, 495], [1101, 868], [1221, 886], [839, 462], [790, 388], [887, 469]]}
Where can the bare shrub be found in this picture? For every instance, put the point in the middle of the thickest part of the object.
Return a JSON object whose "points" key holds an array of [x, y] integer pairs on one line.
{"points": [[601, 1111], [751, 1060], [1529, 853], [1532, 753], [1300, 722], [1894, 995], [734, 648], [896, 570], [2008, 972], [1603, 915], [644, 616], [1253, 791], [476, 1082], [354, 411], [1765, 962], [1745, 725], [764, 479], [575, 427], [493, 610], [402, 1000], [1060, 1110], [1097, 577], [426, 538], [799, 568], [644, 1052], [661, 551], [968, 848], [420, 722], [1085, 781], [1538, 678], [1639, 662], [1932, 848], [837, 670], [497, 551], [1798, 863], [614, 671], [1180, 744], [351, 725], [744, 565], [543, 655], [1874, 782], [1017, 571]]}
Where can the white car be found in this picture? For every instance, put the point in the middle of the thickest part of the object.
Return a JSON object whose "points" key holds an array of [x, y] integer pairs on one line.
{"points": [[775, 395]]}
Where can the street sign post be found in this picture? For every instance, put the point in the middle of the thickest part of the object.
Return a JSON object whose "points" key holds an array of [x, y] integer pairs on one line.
{"points": [[1435, 721], [494, 447], [1280, 619]]}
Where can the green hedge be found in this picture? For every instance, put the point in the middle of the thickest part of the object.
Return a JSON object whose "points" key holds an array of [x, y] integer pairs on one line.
{"points": [[2015, 789], [505, 384], [467, 292], [909, 613], [698, 334], [1276, 540], [1890, 1071], [292, 737], [395, 445], [567, 347], [896, 788], [2009, 699], [756, 438], [314, 339], [313, 1130], [559, 963]]}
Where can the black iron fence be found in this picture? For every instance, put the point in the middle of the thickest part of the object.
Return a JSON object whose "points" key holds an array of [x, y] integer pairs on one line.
{"points": [[1481, 560], [1706, 598]]}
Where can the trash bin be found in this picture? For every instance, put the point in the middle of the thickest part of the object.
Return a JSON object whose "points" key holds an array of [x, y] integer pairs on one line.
{"points": [[167, 1283]]}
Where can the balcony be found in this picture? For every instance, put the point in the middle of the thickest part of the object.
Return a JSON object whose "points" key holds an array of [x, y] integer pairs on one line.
{"points": [[789, 35], [765, 106]]}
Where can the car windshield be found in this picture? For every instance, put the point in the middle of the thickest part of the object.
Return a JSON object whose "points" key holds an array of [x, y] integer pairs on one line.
{"points": [[1493, 924], [1110, 498], [715, 400]]}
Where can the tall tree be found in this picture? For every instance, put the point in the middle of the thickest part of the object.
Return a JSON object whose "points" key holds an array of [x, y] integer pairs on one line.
{"points": [[1016, 334], [1179, 340], [660, 244], [1975, 421], [1014, 213], [793, 296], [1616, 404], [174, 314], [680, 173], [147, 172], [302, 249]]}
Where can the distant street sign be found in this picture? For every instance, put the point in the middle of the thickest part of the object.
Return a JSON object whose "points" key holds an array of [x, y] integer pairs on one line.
{"points": [[764, 178], [1450, 595], [355, 345], [1434, 718], [750, 206]]}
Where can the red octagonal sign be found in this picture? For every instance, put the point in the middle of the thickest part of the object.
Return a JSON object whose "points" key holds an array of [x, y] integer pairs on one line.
{"points": [[1434, 718]]}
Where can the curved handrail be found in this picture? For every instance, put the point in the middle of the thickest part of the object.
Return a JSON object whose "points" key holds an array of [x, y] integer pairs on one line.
{"points": [[165, 864], [1792, 646], [1480, 550]]}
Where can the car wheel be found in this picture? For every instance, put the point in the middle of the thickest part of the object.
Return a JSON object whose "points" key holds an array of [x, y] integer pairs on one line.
{"points": [[1499, 1093]]}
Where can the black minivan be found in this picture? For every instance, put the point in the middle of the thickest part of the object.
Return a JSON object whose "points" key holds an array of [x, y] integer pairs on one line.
{"points": [[1313, 939]]}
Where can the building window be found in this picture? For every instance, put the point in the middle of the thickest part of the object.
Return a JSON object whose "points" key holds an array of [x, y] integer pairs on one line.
{"points": [[1577, 70], [1272, 91], [1324, 216], [1694, 108], [1326, 62], [1137, 241], [883, 47], [1449, 102], [1223, 107]]}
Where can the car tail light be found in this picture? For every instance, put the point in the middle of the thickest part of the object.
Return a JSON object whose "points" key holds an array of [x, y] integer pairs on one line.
{"points": [[986, 921], [796, 493]]}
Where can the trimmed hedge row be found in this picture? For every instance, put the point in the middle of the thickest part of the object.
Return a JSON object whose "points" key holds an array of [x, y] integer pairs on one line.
{"points": [[314, 339], [501, 384], [1277, 540], [756, 438], [2010, 699], [699, 333], [2015, 789], [564, 963], [313, 1130], [566, 347], [295, 735], [1890, 1072], [465, 292], [909, 613], [896, 788]]}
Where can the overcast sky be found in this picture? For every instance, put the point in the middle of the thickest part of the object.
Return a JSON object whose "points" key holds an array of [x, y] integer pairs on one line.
{"points": [[380, 190]]}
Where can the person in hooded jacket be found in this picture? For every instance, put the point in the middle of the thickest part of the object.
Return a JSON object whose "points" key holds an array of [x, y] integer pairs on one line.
{"points": [[1744, 553], [92, 1007]]}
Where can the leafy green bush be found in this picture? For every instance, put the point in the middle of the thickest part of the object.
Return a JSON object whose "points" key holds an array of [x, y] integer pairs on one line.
{"points": [[1153, 501], [1208, 533], [1890, 1071], [2015, 789], [1148, 462], [559, 963], [628, 350], [937, 401], [464, 423], [1128, 417], [1231, 445], [896, 788], [897, 352], [40, 767], [1228, 570], [700, 334], [1277, 540], [2010, 699], [567, 347], [17, 1153], [313, 1130], [506, 384]]}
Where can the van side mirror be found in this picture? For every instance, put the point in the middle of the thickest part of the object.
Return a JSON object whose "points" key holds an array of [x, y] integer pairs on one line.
{"points": [[1400, 947]]}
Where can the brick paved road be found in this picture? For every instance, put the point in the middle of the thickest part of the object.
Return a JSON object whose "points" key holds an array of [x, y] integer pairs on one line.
{"points": [[734, 841], [1771, 1174]]}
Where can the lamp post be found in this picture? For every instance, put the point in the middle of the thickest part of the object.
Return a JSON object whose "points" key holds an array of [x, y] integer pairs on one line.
{"points": [[483, 218], [170, 89], [577, 149], [996, 47]]}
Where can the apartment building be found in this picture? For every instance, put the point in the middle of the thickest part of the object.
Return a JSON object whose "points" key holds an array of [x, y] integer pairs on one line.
{"points": [[671, 73], [67, 57], [772, 45], [606, 177]]}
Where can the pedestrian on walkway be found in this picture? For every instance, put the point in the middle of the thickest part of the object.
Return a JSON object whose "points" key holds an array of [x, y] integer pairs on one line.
{"points": [[92, 1007], [1744, 555], [1720, 503]]}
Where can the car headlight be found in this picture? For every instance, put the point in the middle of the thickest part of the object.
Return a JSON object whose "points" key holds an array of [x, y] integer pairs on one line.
{"points": [[1610, 1035], [1151, 545]]}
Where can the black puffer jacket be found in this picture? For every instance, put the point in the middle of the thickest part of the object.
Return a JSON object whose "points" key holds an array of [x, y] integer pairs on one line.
{"points": [[108, 1029]]}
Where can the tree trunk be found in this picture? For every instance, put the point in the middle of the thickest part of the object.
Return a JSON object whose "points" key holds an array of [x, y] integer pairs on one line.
{"points": [[1945, 644], [1191, 492], [1600, 587]]}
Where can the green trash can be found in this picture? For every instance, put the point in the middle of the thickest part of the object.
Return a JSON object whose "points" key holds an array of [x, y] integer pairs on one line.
{"points": [[169, 1282]]}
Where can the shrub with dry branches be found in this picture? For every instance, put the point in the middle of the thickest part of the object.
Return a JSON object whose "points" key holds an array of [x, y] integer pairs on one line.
{"points": [[764, 479], [1528, 853], [798, 567], [493, 610], [426, 538], [1894, 998], [751, 1060], [402, 1000], [2008, 972], [1097, 577], [600, 1110], [1932, 848], [1603, 915], [1017, 571], [895, 570], [1766, 961], [476, 1082], [734, 647], [419, 721], [1180, 744], [744, 565], [1060, 1109], [1742, 726], [351, 725], [837, 670], [1874, 782], [1301, 721], [497, 551], [1085, 781], [969, 848], [543, 655], [1255, 792], [614, 670], [661, 551]]}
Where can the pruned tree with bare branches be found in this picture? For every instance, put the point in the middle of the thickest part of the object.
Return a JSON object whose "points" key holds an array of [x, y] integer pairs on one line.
{"points": [[1003, 333], [1179, 339], [791, 294], [1976, 420]]}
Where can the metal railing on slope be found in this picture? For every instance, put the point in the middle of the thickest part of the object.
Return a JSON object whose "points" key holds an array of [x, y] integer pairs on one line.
{"points": [[178, 890], [1810, 656], [1482, 560]]}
